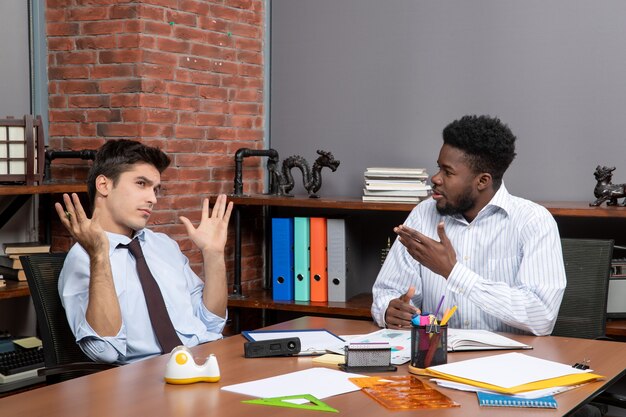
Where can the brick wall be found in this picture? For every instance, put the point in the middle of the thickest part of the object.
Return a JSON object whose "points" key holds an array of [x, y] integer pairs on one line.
{"points": [[183, 75]]}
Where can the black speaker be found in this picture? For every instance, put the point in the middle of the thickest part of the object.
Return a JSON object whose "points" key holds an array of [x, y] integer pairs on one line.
{"points": [[274, 347]]}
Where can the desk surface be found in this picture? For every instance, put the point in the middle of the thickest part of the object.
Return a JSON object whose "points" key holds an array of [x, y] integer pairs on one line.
{"points": [[138, 389]]}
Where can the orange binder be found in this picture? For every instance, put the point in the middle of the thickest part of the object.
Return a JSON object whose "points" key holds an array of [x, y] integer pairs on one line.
{"points": [[319, 265]]}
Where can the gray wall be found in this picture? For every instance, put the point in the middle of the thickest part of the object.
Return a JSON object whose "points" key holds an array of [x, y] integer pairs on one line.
{"points": [[14, 59], [375, 82]]}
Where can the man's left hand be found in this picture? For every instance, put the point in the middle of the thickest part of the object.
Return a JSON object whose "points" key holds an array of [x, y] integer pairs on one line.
{"points": [[210, 235], [439, 257]]}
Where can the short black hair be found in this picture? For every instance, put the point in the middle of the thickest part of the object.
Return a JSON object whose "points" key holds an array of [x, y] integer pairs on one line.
{"points": [[488, 143], [117, 156]]}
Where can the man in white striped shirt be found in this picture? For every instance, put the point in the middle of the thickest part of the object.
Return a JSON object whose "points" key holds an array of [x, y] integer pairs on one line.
{"points": [[495, 256]]}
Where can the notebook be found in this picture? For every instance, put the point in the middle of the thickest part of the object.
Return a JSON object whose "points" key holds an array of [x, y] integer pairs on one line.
{"points": [[486, 399], [464, 339]]}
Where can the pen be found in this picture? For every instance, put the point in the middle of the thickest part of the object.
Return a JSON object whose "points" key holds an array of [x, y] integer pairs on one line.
{"points": [[445, 319], [439, 306]]}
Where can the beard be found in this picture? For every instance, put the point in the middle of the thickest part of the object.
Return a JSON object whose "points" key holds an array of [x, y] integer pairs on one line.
{"points": [[464, 203]]}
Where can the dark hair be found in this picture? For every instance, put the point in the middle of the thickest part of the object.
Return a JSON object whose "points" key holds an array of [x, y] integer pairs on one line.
{"points": [[117, 156], [488, 143]]}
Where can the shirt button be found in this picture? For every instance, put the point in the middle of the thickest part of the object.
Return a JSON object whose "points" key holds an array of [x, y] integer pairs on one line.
{"points": [[466, 258], [467, 323]]}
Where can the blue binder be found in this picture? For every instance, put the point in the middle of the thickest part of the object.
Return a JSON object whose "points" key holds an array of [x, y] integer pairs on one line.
{"points": [[282, 259], [301, 259]]}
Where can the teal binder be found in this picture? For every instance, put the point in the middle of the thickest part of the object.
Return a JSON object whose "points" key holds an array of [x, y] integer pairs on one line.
{"points": [[301, 259]]}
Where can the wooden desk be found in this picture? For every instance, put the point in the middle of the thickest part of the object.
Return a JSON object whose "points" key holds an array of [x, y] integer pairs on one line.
{"points": [[138, 389]]}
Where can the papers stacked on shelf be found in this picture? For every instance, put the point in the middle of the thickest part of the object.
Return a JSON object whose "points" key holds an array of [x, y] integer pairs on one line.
{"points": [[396, 185]]}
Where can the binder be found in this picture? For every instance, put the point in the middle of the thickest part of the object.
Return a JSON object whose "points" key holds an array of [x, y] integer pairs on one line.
{"points": [[301, 256], [486, 399], [342, 252], [282, 259], [319, 274]]}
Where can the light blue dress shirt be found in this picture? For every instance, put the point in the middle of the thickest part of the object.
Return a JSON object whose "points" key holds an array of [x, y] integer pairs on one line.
{"points": [[180, 286], [509, 274]]}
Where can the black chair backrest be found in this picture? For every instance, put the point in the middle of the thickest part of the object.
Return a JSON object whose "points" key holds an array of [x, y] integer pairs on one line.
{"points": [[59, 344], [587, 267]]}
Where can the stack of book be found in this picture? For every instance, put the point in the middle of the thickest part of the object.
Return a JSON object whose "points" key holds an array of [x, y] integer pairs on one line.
{"points": [[10, 264], [396, 185]]}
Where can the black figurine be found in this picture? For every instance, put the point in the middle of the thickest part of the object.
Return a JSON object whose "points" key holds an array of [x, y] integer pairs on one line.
{"points": [[282, 182], [604, 190]]}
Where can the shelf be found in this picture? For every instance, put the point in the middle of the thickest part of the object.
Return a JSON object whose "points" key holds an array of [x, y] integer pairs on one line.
{"points": [[14, 289], [357, 306], [557, 208], [42, 189]]}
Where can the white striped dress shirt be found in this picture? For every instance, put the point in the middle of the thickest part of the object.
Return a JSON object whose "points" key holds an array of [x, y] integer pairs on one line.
{"points": [[509, 275]]}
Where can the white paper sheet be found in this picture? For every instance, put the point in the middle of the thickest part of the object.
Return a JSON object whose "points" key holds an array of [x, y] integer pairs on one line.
{"points": [[507, 370], [318, 382]]}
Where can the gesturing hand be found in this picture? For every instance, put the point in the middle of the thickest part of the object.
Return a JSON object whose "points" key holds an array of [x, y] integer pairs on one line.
{"points": [[86, 231], [210, 235], [439, 257], [400, 311]]}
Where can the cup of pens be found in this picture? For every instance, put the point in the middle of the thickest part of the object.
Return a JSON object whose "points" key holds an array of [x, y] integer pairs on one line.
{"points": [[429, 345]]}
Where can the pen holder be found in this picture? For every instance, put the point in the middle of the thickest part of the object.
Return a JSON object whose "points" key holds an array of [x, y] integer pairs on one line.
{"points": [[429, 345]]}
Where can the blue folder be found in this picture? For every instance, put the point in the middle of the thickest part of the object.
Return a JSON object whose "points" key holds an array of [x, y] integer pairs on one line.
{"points": [[282, 259]]}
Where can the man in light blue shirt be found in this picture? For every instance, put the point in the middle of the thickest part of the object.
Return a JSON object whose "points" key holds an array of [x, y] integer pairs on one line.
{"points": [[99, 284], [495, 256]]}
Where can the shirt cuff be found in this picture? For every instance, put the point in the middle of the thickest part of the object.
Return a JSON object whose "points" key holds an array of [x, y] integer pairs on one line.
{"points": [[462, 280], [212, 321], [99, 345]]}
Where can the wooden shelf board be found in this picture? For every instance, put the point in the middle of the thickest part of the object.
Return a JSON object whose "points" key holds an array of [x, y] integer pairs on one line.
{"points": [[42, 189], [358, 306], [14, 289]]}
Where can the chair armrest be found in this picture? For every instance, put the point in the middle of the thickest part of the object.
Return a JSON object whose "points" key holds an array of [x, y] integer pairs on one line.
{"points": [[88, 367]]}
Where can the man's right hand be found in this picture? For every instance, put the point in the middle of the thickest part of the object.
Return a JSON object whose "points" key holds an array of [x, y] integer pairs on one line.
{"points": [[400, 312], [87, 232]]}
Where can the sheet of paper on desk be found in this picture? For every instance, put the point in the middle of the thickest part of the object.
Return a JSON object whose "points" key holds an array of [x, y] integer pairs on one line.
{"points": [[312, 342], [318, 382], [528, 394]]}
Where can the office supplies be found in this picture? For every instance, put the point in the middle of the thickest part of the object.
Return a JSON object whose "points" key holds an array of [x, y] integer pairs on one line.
{"points": [[181, 368], [399, 340], [282, 259], [330, 359], [273, 347], [319, 382], [584, 364], [429, 345], [501, 400], [464, 339], [301, 258], [343, 283], [319, 271], [439, 305], [311, 404], [368, 357], [312, 342], [511, 373], [447, 316], [403, 393]]}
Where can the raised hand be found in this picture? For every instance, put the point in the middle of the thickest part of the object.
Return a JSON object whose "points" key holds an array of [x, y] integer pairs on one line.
{"points": [[210, 235], [86, 231], [438, 256]]}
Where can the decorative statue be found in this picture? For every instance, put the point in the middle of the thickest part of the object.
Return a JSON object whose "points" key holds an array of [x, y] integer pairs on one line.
{"points": [[604, 190], [281, 182]]}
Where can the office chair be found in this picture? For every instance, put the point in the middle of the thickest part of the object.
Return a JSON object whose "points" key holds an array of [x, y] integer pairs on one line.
{"points": [[587, 268], [583, 309], [63, 358]]}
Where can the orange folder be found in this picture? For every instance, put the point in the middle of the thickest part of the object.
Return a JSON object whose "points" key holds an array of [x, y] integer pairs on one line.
{"points": [[319, 265]]}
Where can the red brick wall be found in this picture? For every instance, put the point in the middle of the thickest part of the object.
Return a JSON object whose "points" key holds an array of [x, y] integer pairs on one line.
{"points": [[184, 75]]}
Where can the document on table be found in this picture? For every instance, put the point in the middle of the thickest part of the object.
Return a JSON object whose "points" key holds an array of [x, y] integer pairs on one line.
{"points": [[318, 382], [511, 373]]}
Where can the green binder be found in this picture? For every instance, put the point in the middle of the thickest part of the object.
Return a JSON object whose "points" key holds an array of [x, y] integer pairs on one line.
{"points": [[302, 289]]}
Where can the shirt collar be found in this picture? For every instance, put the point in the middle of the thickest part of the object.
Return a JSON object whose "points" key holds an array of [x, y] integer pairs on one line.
{"points": [[500, 200], [115, 239]]}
